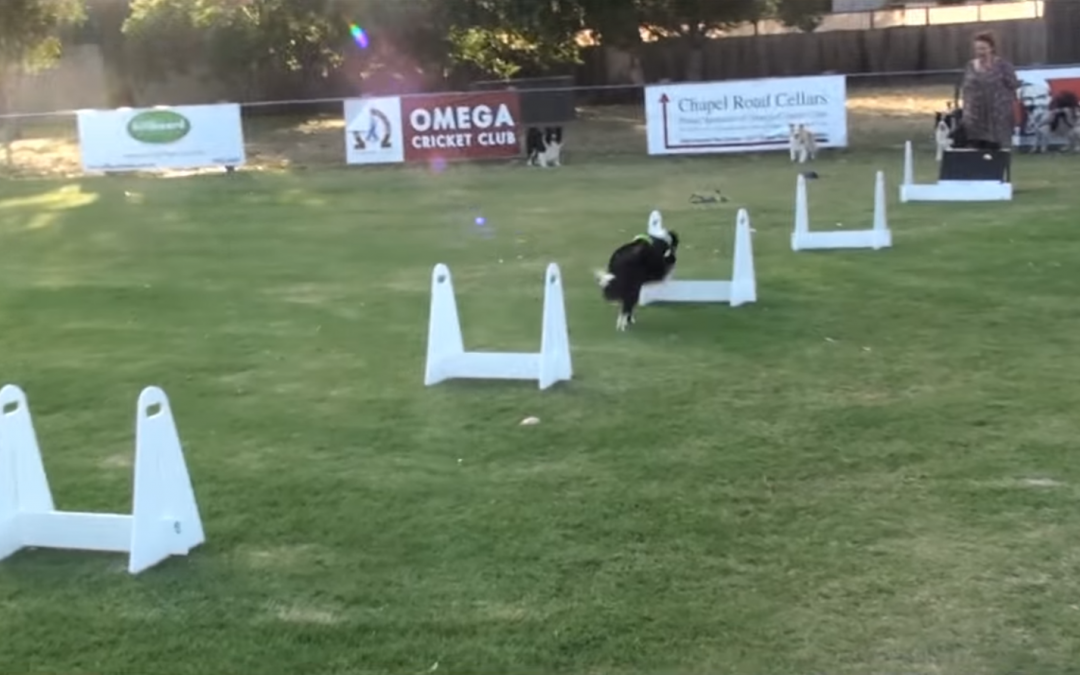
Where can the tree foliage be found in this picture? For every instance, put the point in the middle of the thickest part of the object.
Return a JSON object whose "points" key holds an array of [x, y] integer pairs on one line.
{"points": [[420, 27], [240, 37], [509, 37], [806, 15], [30, 31], [616, 23], [695, 19], [240, 40]]}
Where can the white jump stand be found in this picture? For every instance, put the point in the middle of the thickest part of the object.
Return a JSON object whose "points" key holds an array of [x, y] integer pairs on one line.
{"points": [[164, 519], [877, 237], [950, 190], [446, 355], [740, 289]]}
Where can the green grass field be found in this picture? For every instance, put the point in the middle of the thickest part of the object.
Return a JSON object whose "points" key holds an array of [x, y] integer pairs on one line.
{"points": [[871, 470]]}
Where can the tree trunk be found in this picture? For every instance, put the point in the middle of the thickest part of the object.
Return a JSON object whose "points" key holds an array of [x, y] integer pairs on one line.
{"points": [[695, 57], [110, 17], [8, 128]]}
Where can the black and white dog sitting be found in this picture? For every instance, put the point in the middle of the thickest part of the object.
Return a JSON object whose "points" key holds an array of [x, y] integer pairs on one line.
{"points": [[648, 259], [543, 147], [1059, 120], [949, 130]]}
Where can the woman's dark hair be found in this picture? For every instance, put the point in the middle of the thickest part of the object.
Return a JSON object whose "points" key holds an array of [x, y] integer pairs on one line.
{"points": [[988, 38]]}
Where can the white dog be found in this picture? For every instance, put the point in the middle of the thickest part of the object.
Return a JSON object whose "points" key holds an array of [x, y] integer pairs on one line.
{"points": [[801, 143]]}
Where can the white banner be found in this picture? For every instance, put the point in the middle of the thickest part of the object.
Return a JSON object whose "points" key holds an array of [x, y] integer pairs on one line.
{"points": [[181, 137], [744, 115], [373, 133], [1037, 89]]}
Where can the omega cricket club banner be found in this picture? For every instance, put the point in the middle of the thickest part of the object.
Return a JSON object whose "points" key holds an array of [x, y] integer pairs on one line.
{"points": [[181, 137], [480, 125], [744, 115]]}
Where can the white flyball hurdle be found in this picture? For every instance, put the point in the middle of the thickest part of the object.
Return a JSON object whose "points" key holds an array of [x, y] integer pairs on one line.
{"points": [[164, 520], [739, 290], [949, 190], [877, 237], [446, 355]]}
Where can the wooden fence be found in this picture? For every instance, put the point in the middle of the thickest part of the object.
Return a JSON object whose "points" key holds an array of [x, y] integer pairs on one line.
{"points": [[1063, 26], [900, 49]]}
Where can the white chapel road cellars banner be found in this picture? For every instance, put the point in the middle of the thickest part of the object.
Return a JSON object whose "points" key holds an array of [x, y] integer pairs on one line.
{"points": [[744, 115]]}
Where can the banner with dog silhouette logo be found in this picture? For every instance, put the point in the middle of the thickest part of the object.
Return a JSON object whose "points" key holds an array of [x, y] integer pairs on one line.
{"points": [[480, 125], [373, 132], [1047, 110], [148, 139]]}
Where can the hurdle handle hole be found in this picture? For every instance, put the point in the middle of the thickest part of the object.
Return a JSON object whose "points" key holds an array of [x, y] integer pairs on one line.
{"points": [[440, 279], [11, 407], [153, 410]]}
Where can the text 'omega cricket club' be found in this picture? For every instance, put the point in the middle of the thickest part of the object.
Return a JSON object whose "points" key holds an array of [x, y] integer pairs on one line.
{"points": [[462, 127], [735, 102]]}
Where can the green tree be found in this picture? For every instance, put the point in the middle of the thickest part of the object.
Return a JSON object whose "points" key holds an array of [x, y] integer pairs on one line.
{"points": [[106, 20], [806, 15], [30, 35], [416, 29], [511, 37], [615, 23], [240, 43], [30, 31], [693, 21], [30, 40]]}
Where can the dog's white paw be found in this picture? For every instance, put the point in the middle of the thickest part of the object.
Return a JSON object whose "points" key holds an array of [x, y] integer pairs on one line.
{"points": [[622, 322]]}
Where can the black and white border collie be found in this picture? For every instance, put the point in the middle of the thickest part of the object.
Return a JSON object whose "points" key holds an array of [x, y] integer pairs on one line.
{"points": [[648, 259], [949, 131], [543, 147], [1060, 120]]}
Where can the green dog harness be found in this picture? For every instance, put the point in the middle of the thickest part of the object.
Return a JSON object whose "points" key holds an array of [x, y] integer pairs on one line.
{"points": [[649, 240]]}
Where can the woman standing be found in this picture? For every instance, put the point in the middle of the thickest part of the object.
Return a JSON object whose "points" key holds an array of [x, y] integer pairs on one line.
{"points": [[989, 92]]}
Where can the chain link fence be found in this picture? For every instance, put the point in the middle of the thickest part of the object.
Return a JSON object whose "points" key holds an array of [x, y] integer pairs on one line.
{"points": [[884, 109]]}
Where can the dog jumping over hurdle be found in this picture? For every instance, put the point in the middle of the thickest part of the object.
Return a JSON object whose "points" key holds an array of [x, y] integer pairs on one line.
{"points": [[648, 259]]}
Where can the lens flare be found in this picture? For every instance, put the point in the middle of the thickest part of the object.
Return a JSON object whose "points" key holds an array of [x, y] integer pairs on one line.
{"points": [[358, 36]]}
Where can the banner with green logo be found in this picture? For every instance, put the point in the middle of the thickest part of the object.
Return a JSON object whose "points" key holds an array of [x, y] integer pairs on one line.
{"points": [[145, 139]]}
